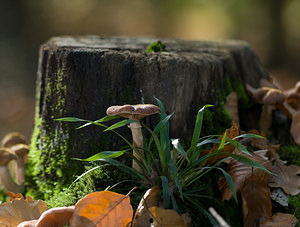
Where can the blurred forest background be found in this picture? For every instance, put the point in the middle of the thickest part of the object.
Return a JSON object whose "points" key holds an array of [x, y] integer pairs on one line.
{"points": [[270, 26]]}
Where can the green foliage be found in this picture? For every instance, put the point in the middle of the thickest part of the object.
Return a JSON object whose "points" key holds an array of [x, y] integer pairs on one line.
{"points": [[102, 178], [177, 172], [155, 47]]}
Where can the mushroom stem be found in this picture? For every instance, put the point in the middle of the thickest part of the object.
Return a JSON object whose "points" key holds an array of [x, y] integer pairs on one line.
{"points": [[20, 170], [7, 181], [137, 137], [265, 120]]}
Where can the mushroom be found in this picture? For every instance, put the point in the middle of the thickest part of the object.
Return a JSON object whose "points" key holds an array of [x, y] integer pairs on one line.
{"points": [[21, 150], [135, 112], [54, 217], [269, 97], [13, 138], [7, 181], [293, 96], [19, 210]]}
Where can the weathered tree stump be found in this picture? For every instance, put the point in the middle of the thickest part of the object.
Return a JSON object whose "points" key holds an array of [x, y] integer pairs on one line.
{"points": [[83, 76]]}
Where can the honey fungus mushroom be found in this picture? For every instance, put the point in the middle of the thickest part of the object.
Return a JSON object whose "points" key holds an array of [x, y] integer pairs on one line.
{"points": [[6, 179], [135, 112], [270, 98]]}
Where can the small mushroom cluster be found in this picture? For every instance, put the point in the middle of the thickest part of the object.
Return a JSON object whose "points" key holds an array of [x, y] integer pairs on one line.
{"points": [[13, 156], [273, 98]]}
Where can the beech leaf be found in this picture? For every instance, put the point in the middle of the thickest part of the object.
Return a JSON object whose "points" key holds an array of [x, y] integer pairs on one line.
{"points": [[240, 172], [286, 177], [231, 106], [142, 215], [279, 220], [168, 218], [103, 208], [256, 200]]}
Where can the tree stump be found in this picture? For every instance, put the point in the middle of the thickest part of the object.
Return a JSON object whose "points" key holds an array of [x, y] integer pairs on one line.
{"points": [[83, 76]]}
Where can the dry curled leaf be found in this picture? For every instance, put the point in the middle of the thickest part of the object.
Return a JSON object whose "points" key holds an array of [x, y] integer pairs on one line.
{"points": [[18, 210], [168, 218], [256, 200], [286, 178], [150, 199], [103, 208], [231, 133], [295, 127], [240, 172], [280, 220], [231, 106]]}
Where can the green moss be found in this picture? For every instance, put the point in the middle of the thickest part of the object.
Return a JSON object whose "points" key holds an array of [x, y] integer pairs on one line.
{"points": [[155, 47], [242, 95], [97, 180]]}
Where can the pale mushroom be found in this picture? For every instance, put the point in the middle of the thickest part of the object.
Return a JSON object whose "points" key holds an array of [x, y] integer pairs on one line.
{"points": [[293, 96], [13, 138], [135, 112], [6, 180], [19, 210], [21, 150], [54, 217], [269, 97]]}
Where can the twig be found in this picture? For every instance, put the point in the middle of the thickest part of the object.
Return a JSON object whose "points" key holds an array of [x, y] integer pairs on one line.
{"points": [[218, 218]]}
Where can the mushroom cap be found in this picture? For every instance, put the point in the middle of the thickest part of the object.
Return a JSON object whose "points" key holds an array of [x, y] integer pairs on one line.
{"points": [[273, 97], [6, 156], [20, 149], [58, 216], [134, 112], [13, 138]]}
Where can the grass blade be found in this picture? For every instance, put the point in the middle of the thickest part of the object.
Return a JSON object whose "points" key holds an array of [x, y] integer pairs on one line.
{"points": [[103, 154], [166, 191], [179, 148], [70, 119], [119, 124], [230, 183], [198, 126], [248, 162]]}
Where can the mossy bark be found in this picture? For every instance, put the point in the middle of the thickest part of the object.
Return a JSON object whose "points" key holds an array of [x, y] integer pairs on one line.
{"points": [[83, 76]]}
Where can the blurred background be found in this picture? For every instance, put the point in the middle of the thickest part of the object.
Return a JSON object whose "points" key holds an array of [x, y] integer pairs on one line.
{"points": [[270, 26]]}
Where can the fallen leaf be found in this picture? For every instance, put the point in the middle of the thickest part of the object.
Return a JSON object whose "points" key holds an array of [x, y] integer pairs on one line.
{"points": [[14, 196], [142, 215], [295, 127], [280, 220], [256, 200], [230, 134], [286, 178], [18, 210], [231, 106], [240, 172], [103, 208], [168, 218]]}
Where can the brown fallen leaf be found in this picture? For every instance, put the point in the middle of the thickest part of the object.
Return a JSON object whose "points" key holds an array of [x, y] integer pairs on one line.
{"points": [[256, 200], [231, 133], [168, 218], [280, 220], [103, 208], [231, 106], [142, 215], [286, 178], [295, 127], [240, 172]]}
